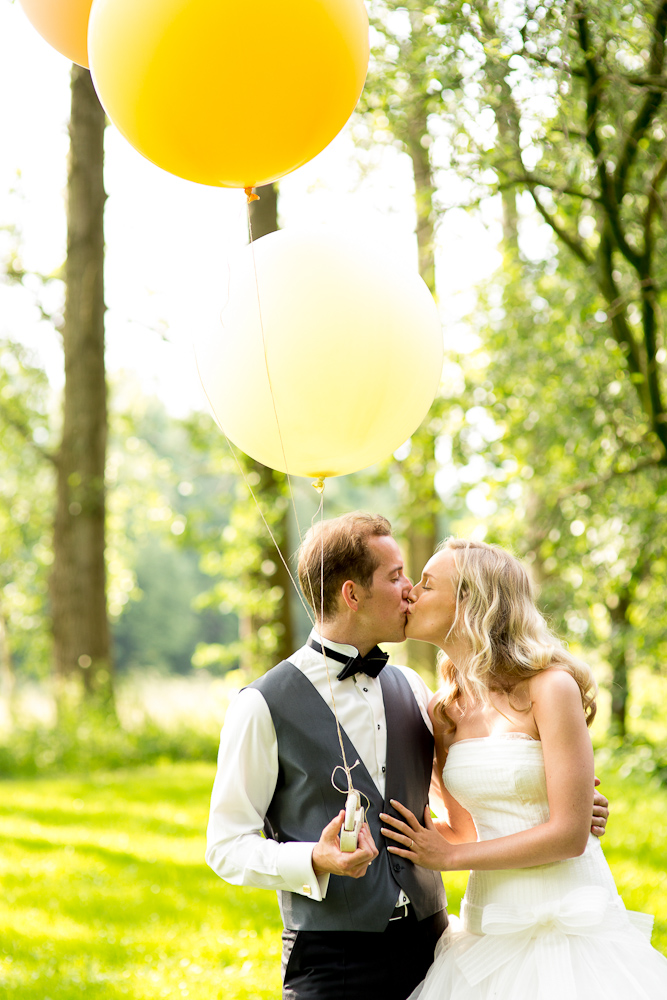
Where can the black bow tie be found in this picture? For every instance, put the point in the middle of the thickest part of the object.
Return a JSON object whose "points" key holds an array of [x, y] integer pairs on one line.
{"points": [[371, 664]]}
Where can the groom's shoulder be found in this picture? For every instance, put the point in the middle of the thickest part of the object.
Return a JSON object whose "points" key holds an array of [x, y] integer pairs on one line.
{"points": [[420, 690], [415, 680]]}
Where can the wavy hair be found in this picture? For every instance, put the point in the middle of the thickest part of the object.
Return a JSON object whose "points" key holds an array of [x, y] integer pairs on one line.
{"points": [[509, 638]]}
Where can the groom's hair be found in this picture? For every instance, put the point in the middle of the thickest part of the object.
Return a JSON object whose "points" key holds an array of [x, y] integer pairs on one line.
{"points": [[341, 545]]}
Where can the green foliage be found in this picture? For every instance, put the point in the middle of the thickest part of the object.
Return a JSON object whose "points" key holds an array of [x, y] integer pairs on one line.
{"points": [[162, 626], [237, 553], [553, 453], [161, 501], [558, 111], [575, 123], [415, 61], [26, 492], [92, 741]]}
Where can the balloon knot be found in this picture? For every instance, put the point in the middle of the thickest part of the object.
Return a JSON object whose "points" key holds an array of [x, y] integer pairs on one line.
{"points": [[318, 484], [251, 194]]}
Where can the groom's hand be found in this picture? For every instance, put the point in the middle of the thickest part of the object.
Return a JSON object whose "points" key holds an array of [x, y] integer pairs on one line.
{"points": [[600, 812], [328, 857]]}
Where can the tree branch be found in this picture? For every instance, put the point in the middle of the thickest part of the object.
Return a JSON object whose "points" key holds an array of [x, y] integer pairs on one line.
{"points": [[588, 484], [654, 201], [650, 105], [539, 181], [570, 241], [616, 311], [608, 190], [657, 83]]}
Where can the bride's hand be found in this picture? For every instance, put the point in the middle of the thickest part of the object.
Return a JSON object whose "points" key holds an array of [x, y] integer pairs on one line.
{"points": [[421, 844]]}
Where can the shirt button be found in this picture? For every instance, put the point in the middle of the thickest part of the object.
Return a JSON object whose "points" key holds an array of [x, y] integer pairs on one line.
{"points": [[383, 769], [379, 726], [366, 690]]}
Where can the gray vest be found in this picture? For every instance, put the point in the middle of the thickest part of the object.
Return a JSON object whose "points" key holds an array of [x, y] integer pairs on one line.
{"points": [[305, 801]]}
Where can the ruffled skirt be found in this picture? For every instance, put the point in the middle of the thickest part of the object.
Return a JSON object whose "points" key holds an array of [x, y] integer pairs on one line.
{"points": [[583, 946]]}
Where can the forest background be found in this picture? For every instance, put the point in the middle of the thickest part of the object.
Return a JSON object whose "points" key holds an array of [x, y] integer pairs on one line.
{"points": [[516, 152]]}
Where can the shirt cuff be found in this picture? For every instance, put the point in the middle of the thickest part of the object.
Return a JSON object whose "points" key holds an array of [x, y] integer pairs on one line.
{"points": [[295, 866]]}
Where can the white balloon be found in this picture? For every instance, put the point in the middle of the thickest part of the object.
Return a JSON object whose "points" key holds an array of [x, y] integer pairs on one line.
{"points": [[328, 357]]}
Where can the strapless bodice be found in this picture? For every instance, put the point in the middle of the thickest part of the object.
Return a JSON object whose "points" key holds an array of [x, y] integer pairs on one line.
{"points": [[500, 780]]}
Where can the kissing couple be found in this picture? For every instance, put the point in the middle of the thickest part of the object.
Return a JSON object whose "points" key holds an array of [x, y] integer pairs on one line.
{"points": [[505, 740]]}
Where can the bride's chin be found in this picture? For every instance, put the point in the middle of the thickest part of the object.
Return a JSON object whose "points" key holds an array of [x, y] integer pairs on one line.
{"points": [[411, 630]]}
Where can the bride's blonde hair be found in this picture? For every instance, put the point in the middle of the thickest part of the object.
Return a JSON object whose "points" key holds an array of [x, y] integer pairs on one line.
{"points": [[510, 640]]}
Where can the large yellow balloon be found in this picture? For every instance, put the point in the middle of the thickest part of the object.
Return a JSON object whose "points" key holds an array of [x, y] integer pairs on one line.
{"points": [[64, 25], [328, 357], [227, 92]]}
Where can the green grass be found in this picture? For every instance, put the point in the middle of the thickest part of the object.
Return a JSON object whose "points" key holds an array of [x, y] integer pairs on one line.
{"points": [[104, 892]]}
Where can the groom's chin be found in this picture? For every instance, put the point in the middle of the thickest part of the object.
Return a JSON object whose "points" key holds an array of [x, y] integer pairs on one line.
{"points": [[399, 636]]}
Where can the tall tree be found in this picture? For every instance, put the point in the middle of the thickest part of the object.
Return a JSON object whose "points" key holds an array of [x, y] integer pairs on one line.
{"points": [[596, 166], [82, 654], [562, 104], [595, 169], [410, 66], [251, 579]]}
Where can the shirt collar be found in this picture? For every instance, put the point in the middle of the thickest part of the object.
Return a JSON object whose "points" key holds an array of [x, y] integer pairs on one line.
{"points": [[340, 647]]}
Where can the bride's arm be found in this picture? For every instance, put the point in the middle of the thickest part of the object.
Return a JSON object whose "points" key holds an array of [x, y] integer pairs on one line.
{"points": [[458, 827], [452, 822], [568, 762]]}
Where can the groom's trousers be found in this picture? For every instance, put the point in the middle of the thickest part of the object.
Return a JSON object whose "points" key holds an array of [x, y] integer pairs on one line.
{"points": [[355, 965]]}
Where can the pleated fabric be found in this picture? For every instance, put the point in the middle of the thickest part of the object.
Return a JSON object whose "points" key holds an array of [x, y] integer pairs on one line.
{"points": [[553, 932]]}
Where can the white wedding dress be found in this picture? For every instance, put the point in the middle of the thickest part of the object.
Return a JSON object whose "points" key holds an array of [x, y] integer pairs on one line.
{"points": [[557, 931]]}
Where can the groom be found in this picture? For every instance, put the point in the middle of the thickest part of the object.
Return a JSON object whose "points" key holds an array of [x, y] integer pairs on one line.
{"points": [[362, 925]]}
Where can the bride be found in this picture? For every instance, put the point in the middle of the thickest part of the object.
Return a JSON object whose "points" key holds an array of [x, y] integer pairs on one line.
{"points": [[541, 918]]}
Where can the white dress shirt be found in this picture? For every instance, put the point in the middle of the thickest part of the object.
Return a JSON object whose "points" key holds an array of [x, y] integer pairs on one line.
{"points": [[248, 771]]}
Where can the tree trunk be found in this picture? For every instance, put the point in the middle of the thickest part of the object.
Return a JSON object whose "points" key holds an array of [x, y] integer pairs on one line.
{"points": [[264, 220], [619, 666], [83, 666], [7, 678], [422, 503], [422, 540]]}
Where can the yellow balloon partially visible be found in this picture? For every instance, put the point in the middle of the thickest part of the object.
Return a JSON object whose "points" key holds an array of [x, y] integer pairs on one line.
{"points": [[226, 92], [333, 365], [64, 25]]}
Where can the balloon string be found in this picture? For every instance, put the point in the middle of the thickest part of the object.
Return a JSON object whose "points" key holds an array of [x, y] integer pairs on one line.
{"points": [[309, 612], [342, 791], [252, 494], [320, 511], [266, 365], [319, 486]]}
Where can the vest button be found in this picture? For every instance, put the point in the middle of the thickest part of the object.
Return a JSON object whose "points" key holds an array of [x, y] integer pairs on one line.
{"points": [[397, 867]]}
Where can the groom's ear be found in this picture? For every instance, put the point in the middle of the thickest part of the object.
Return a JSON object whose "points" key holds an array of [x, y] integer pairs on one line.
{"points": [[350, 594]]}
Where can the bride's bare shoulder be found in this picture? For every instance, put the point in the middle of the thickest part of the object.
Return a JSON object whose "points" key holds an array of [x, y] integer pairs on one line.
{"points": [[554, 682]]}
